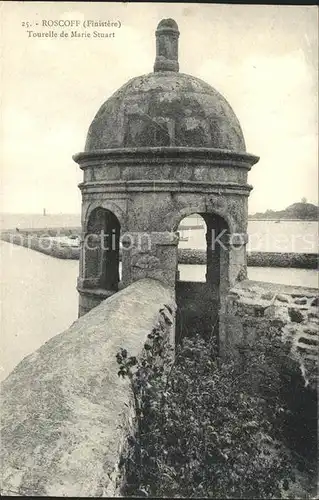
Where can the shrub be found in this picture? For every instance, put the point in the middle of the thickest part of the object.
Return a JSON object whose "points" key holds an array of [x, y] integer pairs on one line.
{"points": [[208, 428]]}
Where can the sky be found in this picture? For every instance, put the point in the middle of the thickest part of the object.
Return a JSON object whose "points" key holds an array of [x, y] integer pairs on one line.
{"points": [[262, 58]]}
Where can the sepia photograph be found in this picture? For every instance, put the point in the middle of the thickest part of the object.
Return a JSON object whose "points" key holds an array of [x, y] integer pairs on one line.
{"points": [[159, 250]]}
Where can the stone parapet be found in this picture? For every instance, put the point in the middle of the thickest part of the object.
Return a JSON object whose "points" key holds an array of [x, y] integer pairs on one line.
{"points": [[66, 414], [254, 307]]}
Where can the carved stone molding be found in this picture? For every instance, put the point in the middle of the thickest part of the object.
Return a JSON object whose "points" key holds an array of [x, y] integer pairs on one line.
{"points": [[146, 186], [145, 261], [155, 155]]}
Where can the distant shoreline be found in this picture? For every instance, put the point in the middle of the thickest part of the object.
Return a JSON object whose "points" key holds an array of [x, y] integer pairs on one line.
{"points": [[65, 222], [281, 220], [185, 255]]}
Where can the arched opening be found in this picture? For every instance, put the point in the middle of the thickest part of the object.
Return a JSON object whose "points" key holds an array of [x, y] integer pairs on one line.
{"points": [[101, 247], [202, 279]]}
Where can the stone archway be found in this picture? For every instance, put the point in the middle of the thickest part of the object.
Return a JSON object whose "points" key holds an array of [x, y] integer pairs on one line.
{"points": [[199, 302], [101, 250]]}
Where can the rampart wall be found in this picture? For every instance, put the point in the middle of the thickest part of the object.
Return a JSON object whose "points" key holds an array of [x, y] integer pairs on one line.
{"points": [[36, 240], [66, 414], [253, 307]]}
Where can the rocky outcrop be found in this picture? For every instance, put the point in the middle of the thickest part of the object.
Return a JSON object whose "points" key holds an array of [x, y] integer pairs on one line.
{"points": [[66, 414], [296, 211]]}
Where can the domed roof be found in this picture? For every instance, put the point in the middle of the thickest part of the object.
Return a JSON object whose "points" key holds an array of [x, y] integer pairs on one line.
{"points": [[166, 108]]}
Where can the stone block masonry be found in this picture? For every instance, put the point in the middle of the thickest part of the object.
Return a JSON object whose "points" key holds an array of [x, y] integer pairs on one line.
{"points": [[252, 307], [66, 414]]}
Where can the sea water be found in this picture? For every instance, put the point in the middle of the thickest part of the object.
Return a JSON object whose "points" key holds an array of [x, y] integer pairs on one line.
{"points": [[39, 297]]}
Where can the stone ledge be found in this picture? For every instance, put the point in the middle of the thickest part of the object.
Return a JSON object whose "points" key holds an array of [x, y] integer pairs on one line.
{"points": [[158, 154], [176, 186]]}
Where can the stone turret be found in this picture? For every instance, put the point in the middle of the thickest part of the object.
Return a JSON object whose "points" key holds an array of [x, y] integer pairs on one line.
{"points": [[164, 146]]}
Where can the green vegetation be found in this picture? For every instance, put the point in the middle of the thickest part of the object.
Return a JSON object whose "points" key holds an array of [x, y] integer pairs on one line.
{"points": [[210, 428]]}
